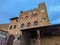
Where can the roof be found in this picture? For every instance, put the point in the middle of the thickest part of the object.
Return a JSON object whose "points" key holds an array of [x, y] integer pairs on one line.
{"points": [[4, 27], [14, 18]]}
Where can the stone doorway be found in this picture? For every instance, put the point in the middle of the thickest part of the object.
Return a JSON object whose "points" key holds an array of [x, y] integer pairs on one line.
{"points": [[10, 40]]}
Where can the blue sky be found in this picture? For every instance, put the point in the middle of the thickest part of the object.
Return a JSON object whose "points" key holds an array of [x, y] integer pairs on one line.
{"points": [[12, 8]]}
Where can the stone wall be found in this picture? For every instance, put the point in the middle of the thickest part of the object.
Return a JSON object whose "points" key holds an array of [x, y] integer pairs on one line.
{"points": [[51, 41]]}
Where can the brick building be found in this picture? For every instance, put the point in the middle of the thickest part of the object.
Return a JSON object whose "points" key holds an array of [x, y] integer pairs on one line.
{"points": [[33, 28], [4, 33], [4, 29]]}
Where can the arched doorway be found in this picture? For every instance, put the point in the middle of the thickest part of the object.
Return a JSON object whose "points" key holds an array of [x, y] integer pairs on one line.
{"points": [[10, 40]]}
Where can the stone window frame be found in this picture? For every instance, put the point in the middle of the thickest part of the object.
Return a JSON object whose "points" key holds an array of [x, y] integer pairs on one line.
{"points": [[32, 14], [14, 26], [17, 20], [36, 14], [19, 38], [35, 23], [10, 27], [28, 24], [22, 25], [26, 17]]}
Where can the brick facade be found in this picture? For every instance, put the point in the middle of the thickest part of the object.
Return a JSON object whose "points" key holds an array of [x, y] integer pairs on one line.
{"points": [[30, 26]]}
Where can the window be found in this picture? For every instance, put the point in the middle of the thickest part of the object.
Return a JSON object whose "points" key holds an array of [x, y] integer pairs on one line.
{"points": [[44, 19], [16, 20], [14, 26], [35, 23], [32, 15], [10, 27], [20, 37], [26, 17], [36, 14], [22, 25], [28, 24]]}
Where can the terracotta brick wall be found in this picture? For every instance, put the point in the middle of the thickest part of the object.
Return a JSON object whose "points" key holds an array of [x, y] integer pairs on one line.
{"points": [[42, 17], [4, 27]]}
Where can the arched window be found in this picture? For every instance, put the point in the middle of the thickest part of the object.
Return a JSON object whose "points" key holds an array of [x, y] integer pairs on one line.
{"points": [[36, 14], [26, 17], [16, 20], [22, 25], [28, 24], [32, 15], [10, 27], [14, 26], [19, 38], [35, 23]]}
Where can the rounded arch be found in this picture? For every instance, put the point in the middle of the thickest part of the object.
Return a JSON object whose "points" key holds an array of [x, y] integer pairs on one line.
{"points": [[11, 36], [22, 25], [36, 14], [10, 40], [10, 27], [14, 26], [35, 23], [28, 24], [26, 17]]}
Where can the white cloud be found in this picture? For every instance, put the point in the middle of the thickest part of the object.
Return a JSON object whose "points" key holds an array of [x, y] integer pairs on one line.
{"points": [[54, 8]]}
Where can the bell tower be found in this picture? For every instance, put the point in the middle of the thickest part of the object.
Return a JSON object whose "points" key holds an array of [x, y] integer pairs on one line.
{"points": [[43, 15]]}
